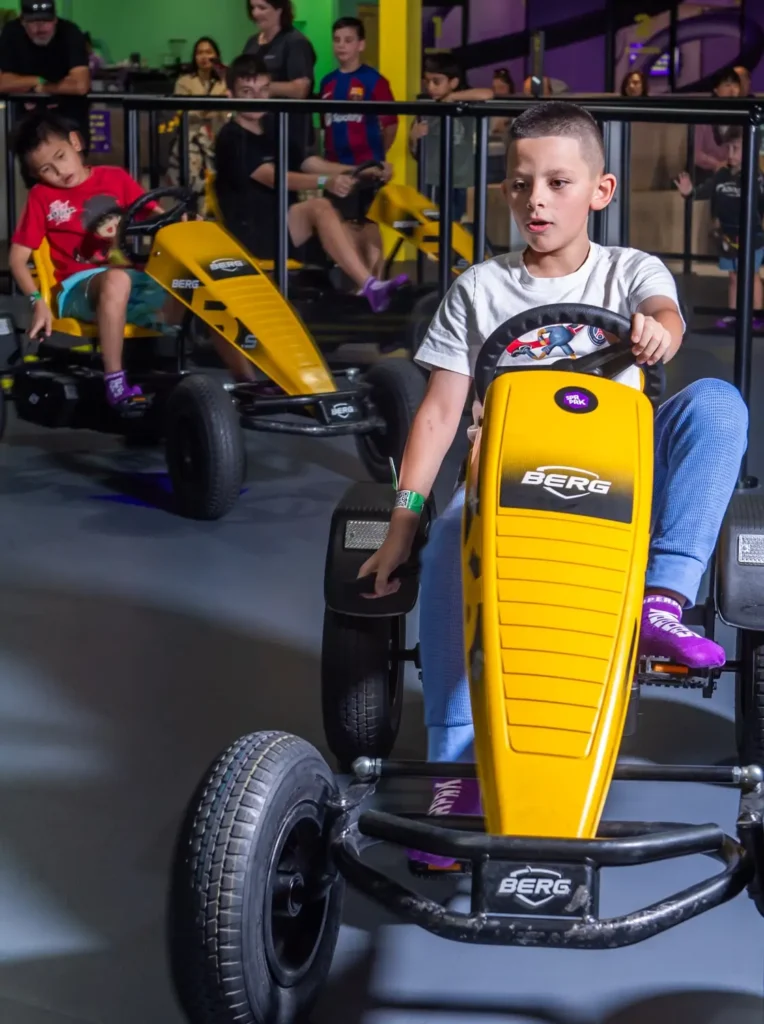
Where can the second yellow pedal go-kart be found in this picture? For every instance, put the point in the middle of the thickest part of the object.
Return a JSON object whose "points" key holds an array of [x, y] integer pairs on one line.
{"points": [[555, 537], [199, 415]]}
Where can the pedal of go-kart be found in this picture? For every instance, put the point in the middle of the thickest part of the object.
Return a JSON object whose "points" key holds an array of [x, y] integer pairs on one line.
{"points": [[653, 671], [422, 870], [133, 407]]}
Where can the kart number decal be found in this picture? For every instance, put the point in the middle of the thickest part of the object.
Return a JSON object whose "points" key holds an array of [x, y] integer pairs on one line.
{"points": [[230, 266]]}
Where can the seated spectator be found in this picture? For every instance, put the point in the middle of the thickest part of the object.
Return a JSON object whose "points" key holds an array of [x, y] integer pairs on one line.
{"points": [[503, 83], [42, 53], [289, 57], [711, 150], [724, 189], [246, 155], [352, 139], [551, 86], [207, 78], [443, 80], [635, 84]]}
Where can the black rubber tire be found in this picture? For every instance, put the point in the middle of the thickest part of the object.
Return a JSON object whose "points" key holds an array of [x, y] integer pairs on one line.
{"points": [[222, 949], [397, 390], [420, 318], [205, 450], [749, 702], [361, 686]]}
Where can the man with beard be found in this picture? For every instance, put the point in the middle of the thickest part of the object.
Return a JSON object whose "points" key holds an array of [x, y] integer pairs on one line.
{"points": [[44, 54]]}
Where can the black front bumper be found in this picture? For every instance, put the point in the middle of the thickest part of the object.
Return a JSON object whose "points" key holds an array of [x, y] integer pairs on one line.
{"points": [[333, 414], [530, 891]]}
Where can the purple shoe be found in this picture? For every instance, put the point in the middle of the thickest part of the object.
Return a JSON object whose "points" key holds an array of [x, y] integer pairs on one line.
{"points": [[726, 323], [450, 796], [118, 390], [758, 323], [662, 635], [380, 293]]}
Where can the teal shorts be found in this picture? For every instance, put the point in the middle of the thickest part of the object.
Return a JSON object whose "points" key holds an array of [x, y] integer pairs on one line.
{"points": [[146, 298]]}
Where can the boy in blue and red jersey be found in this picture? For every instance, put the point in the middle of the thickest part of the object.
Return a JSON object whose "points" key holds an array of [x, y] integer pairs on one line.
{"points": [[352, 139]]}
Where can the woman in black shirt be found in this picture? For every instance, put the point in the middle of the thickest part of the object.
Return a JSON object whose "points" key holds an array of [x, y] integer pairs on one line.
{"points": [[288, 55]]}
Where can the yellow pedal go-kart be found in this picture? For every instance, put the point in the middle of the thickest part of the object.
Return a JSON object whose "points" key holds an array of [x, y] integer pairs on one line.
{"points": [[199, 415], [556, 521]]}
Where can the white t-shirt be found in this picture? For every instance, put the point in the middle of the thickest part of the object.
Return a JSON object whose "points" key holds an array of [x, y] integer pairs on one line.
{"points": [[490, 293]]}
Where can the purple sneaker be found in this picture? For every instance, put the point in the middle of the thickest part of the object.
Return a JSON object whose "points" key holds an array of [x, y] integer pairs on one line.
{"points": [[380, 293], [450, 796], [726, 323], [118, 390], [758, 323], [662, 635]]}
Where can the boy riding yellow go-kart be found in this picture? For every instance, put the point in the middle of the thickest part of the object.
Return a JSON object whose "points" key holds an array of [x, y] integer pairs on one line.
{"points": [[551, 589], [76, 222]]}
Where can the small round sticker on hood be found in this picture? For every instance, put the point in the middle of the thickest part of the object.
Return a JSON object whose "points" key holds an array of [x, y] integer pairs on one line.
{"points": [[576, 400]]}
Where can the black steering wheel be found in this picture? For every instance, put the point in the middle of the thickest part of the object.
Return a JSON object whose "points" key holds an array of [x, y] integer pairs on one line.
{"points": [[131, 227], [364, 183], [608, 362]]}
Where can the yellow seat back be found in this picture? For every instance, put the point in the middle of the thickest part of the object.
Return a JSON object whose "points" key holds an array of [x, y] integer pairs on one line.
{"points": [[554, 560], [46, 275]]}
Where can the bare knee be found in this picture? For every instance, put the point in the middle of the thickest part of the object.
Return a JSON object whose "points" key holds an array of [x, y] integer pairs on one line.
{"points": [[320, 208], [114, 287]]}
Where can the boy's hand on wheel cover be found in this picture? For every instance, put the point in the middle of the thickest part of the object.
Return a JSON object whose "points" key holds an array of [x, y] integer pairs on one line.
{"points": [[42, 320], [384, 562]]}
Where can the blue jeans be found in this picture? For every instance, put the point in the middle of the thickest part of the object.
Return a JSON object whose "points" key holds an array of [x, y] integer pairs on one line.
{"points": [[700, 438], [729, 263]]}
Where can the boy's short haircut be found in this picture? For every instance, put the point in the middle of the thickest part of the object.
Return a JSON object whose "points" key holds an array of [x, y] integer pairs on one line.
{"points": [[248, 65], [734, 133], [562, 120], [38, 128], [727, 75], [443, 64], [348, 22]]}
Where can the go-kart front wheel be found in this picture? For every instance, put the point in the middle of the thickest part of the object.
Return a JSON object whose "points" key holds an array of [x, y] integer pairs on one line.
{"points": [[205, 448], [397, 390], [255, 905], [361, 684], [749, 702]]}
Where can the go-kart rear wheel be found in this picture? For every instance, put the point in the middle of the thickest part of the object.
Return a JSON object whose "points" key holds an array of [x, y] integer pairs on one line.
{"points": [[361, 684], [255, 903], [397, 390], [749, 702], [205, 448]]}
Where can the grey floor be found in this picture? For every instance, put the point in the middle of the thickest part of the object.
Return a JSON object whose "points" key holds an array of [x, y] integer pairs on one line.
{"points": [[134, 646]]}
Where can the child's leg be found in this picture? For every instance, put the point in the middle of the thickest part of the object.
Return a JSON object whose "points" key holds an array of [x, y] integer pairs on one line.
{"points": [[732, 290], [318, 216], [109, 294], [700, 437]]}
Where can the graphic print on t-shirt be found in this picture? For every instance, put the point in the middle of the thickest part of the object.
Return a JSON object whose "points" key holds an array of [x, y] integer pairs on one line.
{"points": [[570, 340], [100, 219]]}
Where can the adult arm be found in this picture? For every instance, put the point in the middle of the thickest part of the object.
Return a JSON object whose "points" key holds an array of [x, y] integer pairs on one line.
{"points": [[76, 82], [299, 66]]}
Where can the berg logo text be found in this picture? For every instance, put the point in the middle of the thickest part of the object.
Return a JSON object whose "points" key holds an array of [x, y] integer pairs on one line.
{"points": [[566, 482], [535, 886]]}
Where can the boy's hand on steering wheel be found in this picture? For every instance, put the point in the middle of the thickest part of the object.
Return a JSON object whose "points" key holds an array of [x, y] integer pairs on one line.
{"points": [[42, 320], [386, 173], [651, 341], [340, 185]]}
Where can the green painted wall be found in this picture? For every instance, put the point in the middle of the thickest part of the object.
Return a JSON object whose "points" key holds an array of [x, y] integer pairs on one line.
{"points": [[161, 29]]}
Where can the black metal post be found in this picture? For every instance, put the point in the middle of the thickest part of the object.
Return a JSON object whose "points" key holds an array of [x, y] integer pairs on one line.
{"points": [[282, 201], [745, 270], [10, 173], [625, 183], [421, 184], [154, 149], [481, 191], [537, 64], [610, 42], [446, 202], [132, 142], [689, 207], [673, 23], [185, 168]]}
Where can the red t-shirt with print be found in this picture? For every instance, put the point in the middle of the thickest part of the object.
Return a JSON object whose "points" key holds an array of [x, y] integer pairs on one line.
{"points": [[80, 223]]}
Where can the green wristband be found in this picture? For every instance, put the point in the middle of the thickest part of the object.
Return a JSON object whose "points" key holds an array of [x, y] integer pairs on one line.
{"points": [[34, 298], [410, 500], [322, 181]]}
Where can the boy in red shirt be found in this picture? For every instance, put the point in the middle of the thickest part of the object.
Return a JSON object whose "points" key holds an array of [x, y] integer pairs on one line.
{"points": [[77, 208]]}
